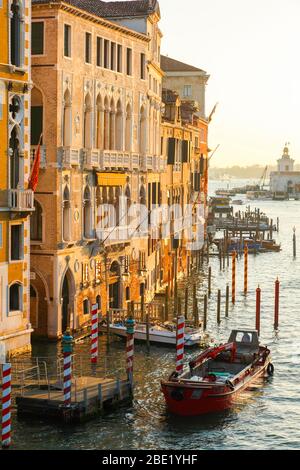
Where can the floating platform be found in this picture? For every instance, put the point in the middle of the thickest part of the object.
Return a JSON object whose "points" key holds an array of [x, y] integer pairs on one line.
{"points": [[91, 396]]}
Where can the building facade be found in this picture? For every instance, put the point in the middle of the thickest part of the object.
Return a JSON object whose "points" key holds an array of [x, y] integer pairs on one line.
{"points": [[16, 200], [285, 180], [97, 101]]}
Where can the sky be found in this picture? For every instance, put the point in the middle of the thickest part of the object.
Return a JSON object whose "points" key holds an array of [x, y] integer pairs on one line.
{"points": [[250, 48]]}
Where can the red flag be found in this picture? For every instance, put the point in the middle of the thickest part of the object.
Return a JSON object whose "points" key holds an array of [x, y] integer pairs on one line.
{"points": [[34, 177]]}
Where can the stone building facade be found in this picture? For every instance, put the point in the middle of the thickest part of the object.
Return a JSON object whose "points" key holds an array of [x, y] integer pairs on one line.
{"points": [[16, 200], [97, 101]]}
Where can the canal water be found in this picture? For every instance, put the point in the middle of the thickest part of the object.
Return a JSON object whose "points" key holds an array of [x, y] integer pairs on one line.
{"points": [[265, 419]]}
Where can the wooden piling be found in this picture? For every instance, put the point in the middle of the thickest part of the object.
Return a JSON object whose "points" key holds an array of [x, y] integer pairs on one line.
{"points": [[148, 331], [186, 302], [246, 270], [167, 303], [227, 301], [219, 308], [205, 313], [143, 306], [258, 309], [209, 282], [276, 313], [294, 243], [233, 276]]}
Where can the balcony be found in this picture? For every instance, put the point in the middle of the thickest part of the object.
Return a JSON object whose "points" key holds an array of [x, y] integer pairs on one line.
{"points": [[43, 162], [91, 158], [21, 200], [114, 236], [153, 163], [69, 157], [113, 159]]}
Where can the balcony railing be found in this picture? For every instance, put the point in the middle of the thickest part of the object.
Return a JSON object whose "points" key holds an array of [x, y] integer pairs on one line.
{"points": [[113, 236], [152, 163], [69, 156], [21, 200], [118, 159], [91, 158], [43, 161]]}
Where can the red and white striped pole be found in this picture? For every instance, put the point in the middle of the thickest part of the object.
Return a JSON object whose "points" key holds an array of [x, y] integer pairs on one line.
{"points": [[6, 406], [180, 344], [67, 343], [130, 348], [94, 336]]}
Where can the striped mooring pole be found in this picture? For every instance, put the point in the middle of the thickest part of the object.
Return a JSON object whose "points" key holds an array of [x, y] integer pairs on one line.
{"points": [[246, 270], [180, 345], [6, 406], [130, 323], [67, 345], [233, 276], [94, 335]]}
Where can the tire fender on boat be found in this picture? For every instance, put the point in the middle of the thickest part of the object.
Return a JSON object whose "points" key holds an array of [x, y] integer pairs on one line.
{"points": [[229, 384], [270, 369]]}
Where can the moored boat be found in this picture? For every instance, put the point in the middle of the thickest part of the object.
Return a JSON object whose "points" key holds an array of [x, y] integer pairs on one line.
{"points": [[161, 334], [218, 375]]}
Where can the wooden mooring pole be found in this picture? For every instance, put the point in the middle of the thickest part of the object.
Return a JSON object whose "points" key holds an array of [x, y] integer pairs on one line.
{"points": [[233, 276], [227, 301], [258, 309], [205, 313], [186, 302], [276, 313], [294, 243], [219, 308], [246, 270], [209, 282]]}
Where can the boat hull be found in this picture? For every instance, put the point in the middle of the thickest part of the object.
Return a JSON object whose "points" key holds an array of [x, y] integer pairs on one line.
{"points": [[197, 400]]}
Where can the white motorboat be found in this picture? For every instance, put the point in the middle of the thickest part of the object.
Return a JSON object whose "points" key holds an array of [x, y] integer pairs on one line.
{"points": [[158, 334]]}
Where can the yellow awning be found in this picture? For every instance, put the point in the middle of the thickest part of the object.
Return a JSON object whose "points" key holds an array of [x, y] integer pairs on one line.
{"points": [[111, 179]]}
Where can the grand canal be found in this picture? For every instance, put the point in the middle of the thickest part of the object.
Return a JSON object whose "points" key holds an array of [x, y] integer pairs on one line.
{"points": [[265, 419]]}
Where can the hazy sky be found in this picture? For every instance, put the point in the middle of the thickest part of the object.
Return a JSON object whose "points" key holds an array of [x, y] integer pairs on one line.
{"points": [[251, 49]]}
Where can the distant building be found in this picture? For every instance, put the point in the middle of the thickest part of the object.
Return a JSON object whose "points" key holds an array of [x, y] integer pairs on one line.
{"points": [[285, 179], [189, 81]]}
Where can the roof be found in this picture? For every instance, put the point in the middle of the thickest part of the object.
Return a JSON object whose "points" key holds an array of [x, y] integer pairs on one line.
{"points": [[109, 9], [172, 65]]}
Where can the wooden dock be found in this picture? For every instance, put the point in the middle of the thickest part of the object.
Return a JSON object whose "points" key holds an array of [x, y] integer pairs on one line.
{"points": [[91, 396]]}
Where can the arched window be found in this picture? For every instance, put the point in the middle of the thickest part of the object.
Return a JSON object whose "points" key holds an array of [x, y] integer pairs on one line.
{"points": [[16, 34], [36, 116], [87, 213], [143, 196], [87, 122], [106, 124], [36, 223], [86, 307], [128, 130], [67, 120], [99, 123], [143, 130], [15, 158], [98, 302], [66, 215], [119, 127], [15, 297], [112, 139]]}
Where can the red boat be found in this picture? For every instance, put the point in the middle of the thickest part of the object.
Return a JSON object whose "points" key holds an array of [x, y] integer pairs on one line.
{"points": [[218, 375]]}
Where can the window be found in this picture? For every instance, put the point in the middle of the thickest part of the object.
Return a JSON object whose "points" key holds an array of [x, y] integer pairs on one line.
{"points": [[86, 307], [99, 52], [88, 48], [129, 61], [120, 59], [127, 294], [187, 91], [106, 54], [37, 38], [98, 302], [36, 223], [66, 215], [15, 298], [143, 66], [67, 40], [113, 56], [87, 214], [16, 34], [36, 116], [16, 243]]}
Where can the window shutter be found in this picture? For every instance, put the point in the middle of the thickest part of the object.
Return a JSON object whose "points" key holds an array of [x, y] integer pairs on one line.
{"points": [[171, 151], [185, 151], [202, 165]]}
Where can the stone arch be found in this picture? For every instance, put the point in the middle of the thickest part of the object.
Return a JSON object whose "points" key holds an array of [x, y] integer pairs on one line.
{"points": [[87, 122], [36, 223], [99, 122], [67, 296], [128, 129], [112, 138], [39, 304], [67, 119], [87, 213], [106, 124], [143, 130], [119, 126]]}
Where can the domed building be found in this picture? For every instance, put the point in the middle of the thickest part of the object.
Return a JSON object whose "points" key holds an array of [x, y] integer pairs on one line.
{"points": [[285, 182]]}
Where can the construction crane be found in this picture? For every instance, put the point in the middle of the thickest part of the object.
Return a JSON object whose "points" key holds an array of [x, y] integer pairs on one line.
{"points": [[262, 182]]}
